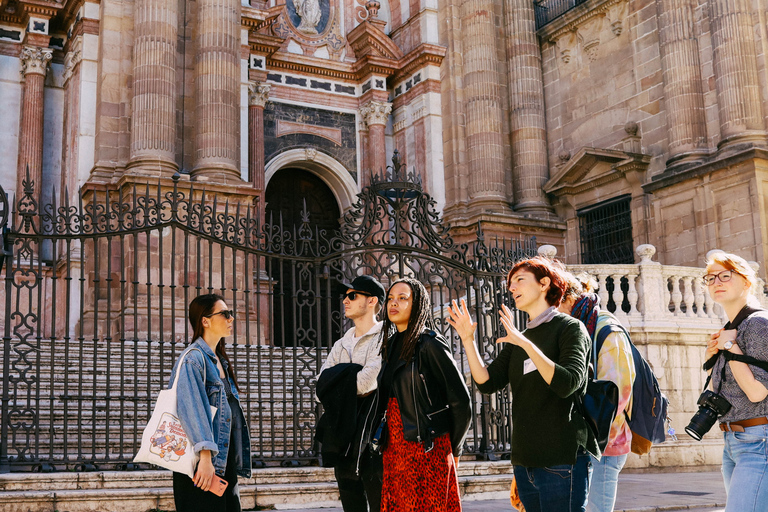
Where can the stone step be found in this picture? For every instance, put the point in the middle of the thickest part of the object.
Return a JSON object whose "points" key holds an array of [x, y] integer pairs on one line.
{"points": [[270, 487]]}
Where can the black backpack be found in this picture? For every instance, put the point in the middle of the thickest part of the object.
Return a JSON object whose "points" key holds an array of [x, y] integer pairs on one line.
{"points": [[648, 417]]}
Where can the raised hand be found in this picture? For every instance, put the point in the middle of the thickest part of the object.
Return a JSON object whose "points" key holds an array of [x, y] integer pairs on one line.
{"points": [[461, 321], [508, 319]]}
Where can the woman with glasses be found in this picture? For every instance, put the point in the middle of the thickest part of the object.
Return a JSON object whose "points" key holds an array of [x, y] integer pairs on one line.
{"points": [[426, 407], [209, 411], [546, 369], [729, 281]]}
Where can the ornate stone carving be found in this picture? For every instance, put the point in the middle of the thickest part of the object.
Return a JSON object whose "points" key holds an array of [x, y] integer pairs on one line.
{"points": [[565, 55], [646, 252], [617, 28], [73, 58], [376, 112], [591, 50], [310, 154], [547, 251], [35, 60], [631, 128], [258, 94], [310, 14]]}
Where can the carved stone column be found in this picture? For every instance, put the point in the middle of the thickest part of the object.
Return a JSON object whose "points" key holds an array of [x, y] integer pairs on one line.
{"points": [[153, 117], [257, 97], [683, 94], [72, 98], [217, 90], [375, 114], [736, 75], [34, 63], [526, 102]]}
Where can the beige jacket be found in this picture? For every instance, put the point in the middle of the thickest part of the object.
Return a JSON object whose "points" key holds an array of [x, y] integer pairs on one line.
{"points": [[365, 353]]}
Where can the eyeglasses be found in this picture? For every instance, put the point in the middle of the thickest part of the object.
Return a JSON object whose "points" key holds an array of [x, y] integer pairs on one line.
{"points": [[724, 276], [353, 295], [226, 313]]}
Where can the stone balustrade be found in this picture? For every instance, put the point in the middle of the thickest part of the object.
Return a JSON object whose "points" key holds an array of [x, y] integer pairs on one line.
{"points": [[670, 316]]}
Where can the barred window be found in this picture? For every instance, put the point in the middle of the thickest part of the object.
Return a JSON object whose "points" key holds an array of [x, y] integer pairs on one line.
{"points": [[605, 230]]}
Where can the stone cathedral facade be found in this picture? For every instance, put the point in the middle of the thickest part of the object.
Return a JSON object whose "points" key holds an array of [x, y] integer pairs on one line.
{"points": [[595, 125]]}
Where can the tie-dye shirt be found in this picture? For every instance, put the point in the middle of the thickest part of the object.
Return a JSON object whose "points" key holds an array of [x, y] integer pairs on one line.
{"points": [[614, 363]]}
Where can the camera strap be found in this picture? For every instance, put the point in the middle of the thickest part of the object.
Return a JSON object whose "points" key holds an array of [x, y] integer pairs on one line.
{"points": [[729, 356]]}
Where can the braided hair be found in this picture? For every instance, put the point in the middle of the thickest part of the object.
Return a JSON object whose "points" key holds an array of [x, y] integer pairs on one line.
{"points": [[419, 320]]}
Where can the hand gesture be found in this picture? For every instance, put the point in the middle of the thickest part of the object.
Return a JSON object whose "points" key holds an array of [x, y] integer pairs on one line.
{"points": [[205, 471], [712, 345], [508, 320], [461, 321]]}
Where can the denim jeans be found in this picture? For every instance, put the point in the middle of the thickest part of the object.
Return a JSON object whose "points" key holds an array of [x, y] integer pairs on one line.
{"points": [[555, 488], [745, 469], [605, 478]]}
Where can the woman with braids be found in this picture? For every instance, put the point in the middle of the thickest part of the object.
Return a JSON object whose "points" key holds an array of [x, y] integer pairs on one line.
{"points": [[614, 363], [220, 437], [546, 369], [426, 407]]}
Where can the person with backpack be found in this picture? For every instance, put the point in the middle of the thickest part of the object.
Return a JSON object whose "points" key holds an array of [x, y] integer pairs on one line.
{"points": [[614, 363], [729, 280], [546, 370]]}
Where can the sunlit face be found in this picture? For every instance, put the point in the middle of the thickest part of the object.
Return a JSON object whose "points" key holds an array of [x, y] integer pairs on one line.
{"points": [[356, 308], [215, 324], [526, 289], [734, 289], [399, 305]]}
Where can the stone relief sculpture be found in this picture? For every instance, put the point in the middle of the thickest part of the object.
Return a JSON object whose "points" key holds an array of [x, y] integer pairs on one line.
{"points": [[310, 14]]}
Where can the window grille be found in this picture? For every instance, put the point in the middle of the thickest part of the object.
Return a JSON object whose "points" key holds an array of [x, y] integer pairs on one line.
{"points": [[549, 10], [605, 230]]}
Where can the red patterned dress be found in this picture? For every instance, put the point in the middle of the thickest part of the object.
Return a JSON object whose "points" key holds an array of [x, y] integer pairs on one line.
{"points": [[415, 481]]}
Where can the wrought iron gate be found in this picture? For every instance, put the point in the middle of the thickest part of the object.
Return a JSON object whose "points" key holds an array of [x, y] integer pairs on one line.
{"points": [[96, 293]]}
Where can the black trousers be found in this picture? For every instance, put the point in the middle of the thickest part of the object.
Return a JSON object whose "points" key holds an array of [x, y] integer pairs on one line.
{"points": [[358, 492], [189, 498]]}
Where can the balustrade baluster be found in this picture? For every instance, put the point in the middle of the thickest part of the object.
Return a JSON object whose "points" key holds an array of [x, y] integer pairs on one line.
{"points": [[618, 295], [688, 295], [710, 305], [602, 290], [677, 296], [699, 293], [632, 294]]}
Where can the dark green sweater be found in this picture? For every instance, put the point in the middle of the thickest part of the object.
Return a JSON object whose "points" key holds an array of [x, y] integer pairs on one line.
{"points": [[547, 428]]}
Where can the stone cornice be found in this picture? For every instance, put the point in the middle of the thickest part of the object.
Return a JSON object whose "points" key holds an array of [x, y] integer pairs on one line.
{"points": [[421, 56], [570, 179], [574, 18], [47, 9], [253, 18], [367, 39]]}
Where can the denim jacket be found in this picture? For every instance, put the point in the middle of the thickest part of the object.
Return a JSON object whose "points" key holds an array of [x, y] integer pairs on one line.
{"points": [[193, 405]]}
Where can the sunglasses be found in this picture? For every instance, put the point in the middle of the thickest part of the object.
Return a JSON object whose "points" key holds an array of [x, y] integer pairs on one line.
{"points": [[353, 295], [226, 313]]}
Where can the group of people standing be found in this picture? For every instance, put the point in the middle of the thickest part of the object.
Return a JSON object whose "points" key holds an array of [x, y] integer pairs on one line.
{"points": [[397, 407]]}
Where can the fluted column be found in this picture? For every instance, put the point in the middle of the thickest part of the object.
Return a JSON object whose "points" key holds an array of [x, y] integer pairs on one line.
{"points": [[683, 94], [258, 93], [375, 114], [153, 118], [530, 169], [34, 63], [736, 75], [217, 89], [485, 143]]}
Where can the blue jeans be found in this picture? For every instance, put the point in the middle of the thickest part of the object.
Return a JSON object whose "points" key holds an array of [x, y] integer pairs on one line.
{"points": [[745, 469], [605, 478], [555, 488]]}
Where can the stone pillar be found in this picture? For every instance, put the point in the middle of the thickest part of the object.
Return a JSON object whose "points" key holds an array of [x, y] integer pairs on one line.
{"points": [[257, 97], [683, 94], [736, 75], [153, 117], [217, 90], [484, 126], [70, 142], [34, 63], [530, 169], [375, 114]]}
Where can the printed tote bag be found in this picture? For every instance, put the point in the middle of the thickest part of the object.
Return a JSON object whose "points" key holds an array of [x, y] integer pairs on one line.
{"points": [[164, 442]]}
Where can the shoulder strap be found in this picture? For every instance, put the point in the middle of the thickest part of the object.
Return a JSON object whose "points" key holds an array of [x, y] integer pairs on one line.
{"points": [[178, 368]]}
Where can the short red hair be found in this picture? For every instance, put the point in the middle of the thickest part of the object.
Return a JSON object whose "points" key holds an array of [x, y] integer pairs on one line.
{"points": [[541, 267]]}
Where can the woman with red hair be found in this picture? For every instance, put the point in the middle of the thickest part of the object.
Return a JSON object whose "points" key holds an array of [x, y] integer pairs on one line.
{"points": [[546, 369]]}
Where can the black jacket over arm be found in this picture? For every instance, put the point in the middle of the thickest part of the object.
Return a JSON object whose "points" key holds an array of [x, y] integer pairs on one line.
{"points": [[336, 429]]}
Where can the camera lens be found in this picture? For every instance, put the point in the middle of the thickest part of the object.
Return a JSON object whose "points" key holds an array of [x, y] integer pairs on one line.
{"points": [[701, 422]]}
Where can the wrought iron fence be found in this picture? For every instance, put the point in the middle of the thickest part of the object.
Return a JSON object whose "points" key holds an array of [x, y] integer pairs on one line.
{"points": [[548, 10], [96, 294]]}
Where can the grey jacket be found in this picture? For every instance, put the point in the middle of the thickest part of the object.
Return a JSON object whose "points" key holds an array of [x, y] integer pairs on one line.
{"points": [[365, 353]]}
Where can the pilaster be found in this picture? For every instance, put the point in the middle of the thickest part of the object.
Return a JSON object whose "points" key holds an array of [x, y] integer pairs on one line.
{"points": [[258, 93], [375, 114]]}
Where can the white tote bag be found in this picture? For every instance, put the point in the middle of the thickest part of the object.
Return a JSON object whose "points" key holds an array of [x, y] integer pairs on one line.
{"points": [[164, 442]]}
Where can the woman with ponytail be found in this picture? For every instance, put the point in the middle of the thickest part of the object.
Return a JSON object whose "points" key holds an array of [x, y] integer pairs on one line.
{"points": [[219, 436], [614, 363], [425, 404]]}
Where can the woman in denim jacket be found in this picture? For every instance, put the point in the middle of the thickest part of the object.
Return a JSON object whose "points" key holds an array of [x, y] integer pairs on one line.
{"points": [[209, 410]]}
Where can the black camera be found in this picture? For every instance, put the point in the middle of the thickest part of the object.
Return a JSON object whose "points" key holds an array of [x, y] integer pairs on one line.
{"points": [[711, 405]]}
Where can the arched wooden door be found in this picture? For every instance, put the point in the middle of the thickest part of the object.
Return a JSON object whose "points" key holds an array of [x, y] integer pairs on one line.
{"points": [[304, 296]]}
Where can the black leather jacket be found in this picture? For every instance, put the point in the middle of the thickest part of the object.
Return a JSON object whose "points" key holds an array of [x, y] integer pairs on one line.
{"points": [[431, 393]]}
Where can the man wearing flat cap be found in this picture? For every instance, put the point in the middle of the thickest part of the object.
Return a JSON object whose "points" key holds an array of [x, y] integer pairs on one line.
{"points": [[351, 371]]}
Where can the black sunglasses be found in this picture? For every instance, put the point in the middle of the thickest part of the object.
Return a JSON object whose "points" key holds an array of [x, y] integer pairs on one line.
{"points": [[226, 313], [353, 295]]}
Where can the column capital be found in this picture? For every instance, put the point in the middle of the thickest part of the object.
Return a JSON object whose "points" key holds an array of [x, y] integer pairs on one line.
{"points": [[258, 94], [35, 60], [376, 112], [73, 58]]}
